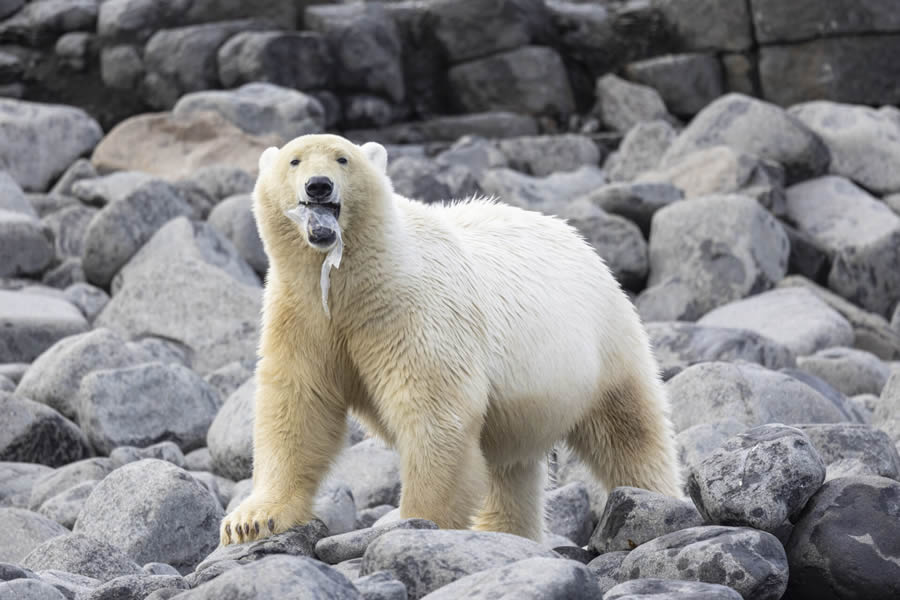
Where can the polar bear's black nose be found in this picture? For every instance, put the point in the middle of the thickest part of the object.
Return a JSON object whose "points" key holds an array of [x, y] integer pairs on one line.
{"points": [[319, 188]]}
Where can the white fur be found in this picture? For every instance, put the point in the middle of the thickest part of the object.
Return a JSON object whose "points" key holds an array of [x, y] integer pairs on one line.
{"points": [[472, 337]]}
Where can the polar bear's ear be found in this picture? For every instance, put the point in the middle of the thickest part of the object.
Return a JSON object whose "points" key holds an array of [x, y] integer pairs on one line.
{"points": [[377, 154], [267, 158]]}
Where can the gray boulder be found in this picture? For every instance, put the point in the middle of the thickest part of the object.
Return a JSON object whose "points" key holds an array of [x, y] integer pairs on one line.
{"points": [[65, 478], [790, 73], [233, 218], [617, 240], [32, 432], [297, 60], [276, 577], [207, 186], [153, 511], [637, 202], [754, 127], [425, 560], [371, 470], [678, 345], [228, 378], [478, 28], [32, 322], [794, 317], [26, 244], [747, 393], [758, 479], [230, 436], [430, 181], [708, 252], [338, 548], [709, 24], [373, 62], [697, 442], [82, 555], [751, 562], [297, 541], [167, 451], [871, 331], [78, 170], [182, 60], [12, 198], [568, 512], [189, 285], [724, 170], [621, 105], [473, 152], [530, 80], [670, 589], [532, 578], [259, 109], [53, 378], [89, 299], [17, 480], [864, 142], [865, 248], [641, 150], [547, 154], [21, 531], [844, 545], [31, 589], [851, 447], [39, 141], [849, 370], [686, 82], [545, 194], [796, 21], [136, 587], [100, 191], [119, 230], [633, 516], [69, 226], [380, 586], [39, 23], [72, 585], [166, 402], [64, 508]]}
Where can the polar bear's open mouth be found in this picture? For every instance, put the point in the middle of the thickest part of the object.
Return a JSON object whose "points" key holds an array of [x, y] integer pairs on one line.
{"points": [[319, 222]]}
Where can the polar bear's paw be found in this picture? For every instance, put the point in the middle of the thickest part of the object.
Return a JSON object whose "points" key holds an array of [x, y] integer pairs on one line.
{"points": [[258, 518]]}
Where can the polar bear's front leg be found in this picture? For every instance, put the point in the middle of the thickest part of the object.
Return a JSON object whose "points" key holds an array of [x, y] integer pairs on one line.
{"points": [[297, 431]]}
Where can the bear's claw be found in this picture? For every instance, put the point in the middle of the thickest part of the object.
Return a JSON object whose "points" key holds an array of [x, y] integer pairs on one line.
{"points": [[256, 519]]}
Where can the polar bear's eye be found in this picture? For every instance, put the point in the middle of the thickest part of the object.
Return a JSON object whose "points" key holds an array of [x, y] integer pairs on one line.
{"points": [[342, 160], [295, 162]]}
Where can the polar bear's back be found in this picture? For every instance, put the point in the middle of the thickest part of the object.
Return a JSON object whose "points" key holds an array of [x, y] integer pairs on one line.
{"points": [[557, 316]]}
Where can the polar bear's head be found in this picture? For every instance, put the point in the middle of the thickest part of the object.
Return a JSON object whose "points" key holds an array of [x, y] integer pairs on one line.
{"points": [[315, 185]]}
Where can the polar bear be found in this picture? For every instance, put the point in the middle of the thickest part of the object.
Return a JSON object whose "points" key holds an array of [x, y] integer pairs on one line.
{"points": [[472, 337]]}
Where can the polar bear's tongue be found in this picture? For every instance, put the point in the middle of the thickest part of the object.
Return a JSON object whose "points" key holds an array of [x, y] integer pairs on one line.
{"points": [[318, 221]]}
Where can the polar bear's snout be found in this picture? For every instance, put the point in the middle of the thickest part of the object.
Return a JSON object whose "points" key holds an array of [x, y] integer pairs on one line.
{"points": [[319, 188]]}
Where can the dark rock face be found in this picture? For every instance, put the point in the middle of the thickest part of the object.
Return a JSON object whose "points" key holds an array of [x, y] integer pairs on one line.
{"points": [[758, 479], [32, 432], [633, 516], [751, 562], [846, 543]]}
